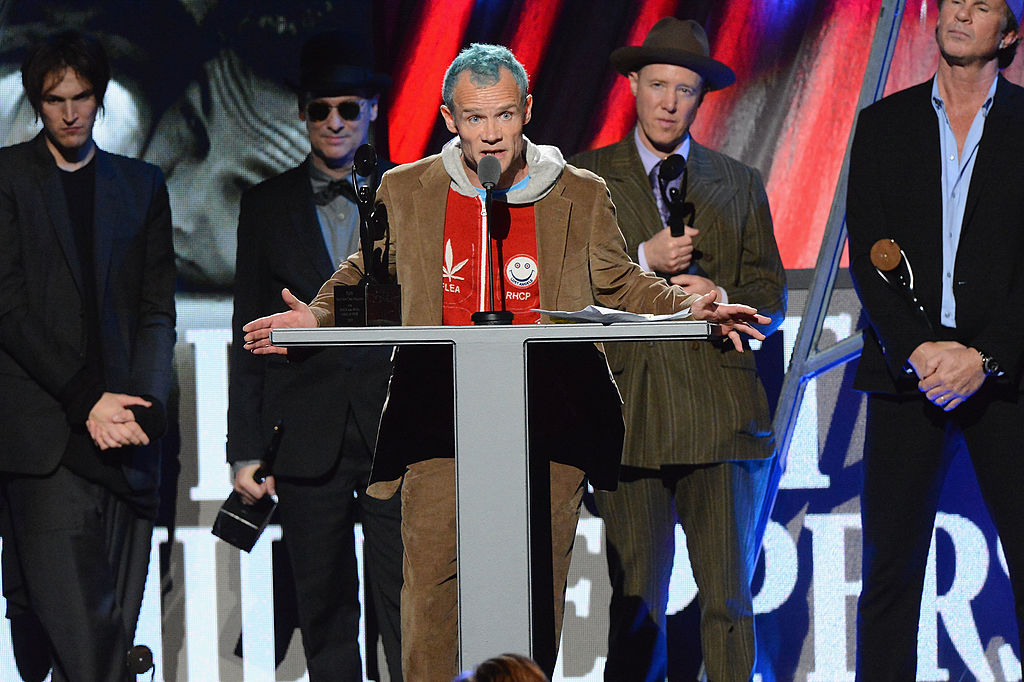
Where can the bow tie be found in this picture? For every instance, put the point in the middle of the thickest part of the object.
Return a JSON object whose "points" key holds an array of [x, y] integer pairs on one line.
{"points": [[332, 190]]}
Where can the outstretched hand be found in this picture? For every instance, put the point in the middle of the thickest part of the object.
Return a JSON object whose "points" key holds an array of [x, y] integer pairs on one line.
{"points": [[731, 318], [257, 332]]}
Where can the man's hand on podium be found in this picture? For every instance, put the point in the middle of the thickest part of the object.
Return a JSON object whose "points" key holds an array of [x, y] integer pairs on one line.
{"points": [[731, 318], [257, 332]]}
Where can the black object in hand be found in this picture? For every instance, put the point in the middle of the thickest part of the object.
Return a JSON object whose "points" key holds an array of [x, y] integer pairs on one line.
{"points": [[241, 524]]}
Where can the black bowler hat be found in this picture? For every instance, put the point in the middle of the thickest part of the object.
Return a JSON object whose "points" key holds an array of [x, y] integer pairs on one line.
{"points": [[339, 62], [674, 41]]}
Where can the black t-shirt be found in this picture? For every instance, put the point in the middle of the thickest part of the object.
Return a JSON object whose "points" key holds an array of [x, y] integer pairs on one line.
{"points": [[82, 456]]}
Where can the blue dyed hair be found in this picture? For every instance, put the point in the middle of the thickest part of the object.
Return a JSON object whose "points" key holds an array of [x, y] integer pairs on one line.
{"points": [[484, 63]]}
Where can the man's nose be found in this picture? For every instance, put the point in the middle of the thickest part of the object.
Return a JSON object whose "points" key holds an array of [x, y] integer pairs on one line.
{"points": [[334, 120], [670, 100], [69, 111], [492, 131]]}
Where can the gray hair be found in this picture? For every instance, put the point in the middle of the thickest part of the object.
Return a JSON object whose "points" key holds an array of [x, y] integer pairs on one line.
{"points": [[484, 63]]}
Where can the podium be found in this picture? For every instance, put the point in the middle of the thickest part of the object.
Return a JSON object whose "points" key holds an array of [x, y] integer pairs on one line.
{"points": [[492, 484]]}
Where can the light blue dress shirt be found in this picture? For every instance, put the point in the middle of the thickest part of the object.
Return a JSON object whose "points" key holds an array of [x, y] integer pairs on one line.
{"points": [[957, 170]]}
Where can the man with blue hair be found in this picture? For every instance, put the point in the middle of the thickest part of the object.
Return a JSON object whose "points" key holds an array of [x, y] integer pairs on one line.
{"points": [[559, 248]]}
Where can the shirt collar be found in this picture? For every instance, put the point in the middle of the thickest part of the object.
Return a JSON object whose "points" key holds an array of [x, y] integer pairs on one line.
{"points": [[985, 107], [650, 159], [320, 179]]}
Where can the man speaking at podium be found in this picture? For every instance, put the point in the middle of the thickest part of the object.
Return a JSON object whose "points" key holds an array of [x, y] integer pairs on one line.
{"points": [[563, 223], [86, 344], [935, 172]]}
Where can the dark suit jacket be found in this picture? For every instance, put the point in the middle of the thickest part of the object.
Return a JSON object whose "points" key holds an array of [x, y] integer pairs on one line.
{"points": [[895, 192], [280, 244], [42, 320], [697, 402], [581, 253]]}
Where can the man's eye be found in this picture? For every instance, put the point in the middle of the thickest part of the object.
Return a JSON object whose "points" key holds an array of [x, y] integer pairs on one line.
{"points": [[506, 116]]}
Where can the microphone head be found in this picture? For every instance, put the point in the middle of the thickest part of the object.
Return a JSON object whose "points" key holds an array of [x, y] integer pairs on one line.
{"points": [[671, 168], [489, 171], [366, 161]]}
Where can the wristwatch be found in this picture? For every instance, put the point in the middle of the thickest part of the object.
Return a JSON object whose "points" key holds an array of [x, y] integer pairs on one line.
{"points": [[989, 365]]}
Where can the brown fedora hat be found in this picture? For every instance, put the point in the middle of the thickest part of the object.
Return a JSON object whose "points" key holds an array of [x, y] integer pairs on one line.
{"points": [[674, 41]]}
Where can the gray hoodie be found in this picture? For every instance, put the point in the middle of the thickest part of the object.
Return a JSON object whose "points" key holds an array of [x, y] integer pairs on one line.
{"points": [[544, 161]]}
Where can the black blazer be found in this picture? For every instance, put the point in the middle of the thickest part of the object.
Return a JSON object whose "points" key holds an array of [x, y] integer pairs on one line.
{"points": [[42, 320], [280, 245], [895, 192]]}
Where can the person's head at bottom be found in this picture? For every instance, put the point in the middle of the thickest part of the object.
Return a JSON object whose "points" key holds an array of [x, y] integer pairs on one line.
{"points": [[505, 668]]}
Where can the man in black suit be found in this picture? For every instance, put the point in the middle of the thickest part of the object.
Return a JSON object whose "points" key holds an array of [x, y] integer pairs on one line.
{"points": [[293, 231], [86, 343], [936, 168]]}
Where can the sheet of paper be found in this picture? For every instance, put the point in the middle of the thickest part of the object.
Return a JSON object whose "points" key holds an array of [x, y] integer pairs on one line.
{"points": [[596, 313]]}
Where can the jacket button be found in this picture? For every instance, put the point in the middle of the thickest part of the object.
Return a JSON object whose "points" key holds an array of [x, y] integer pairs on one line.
{"points": [[695, 345], [709, 257]]}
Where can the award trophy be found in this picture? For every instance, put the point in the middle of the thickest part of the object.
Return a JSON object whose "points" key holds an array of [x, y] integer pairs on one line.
{"points": [[377, 300], [241, 524], [893, 266]]}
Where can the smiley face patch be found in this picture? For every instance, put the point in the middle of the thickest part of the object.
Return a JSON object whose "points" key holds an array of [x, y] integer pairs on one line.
{"points": [[521, 271]]}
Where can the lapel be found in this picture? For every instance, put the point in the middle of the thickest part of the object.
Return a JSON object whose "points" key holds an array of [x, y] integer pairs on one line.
{"points": [[300, 211], [1001, 124], [551, 217], [705, 189], [52, 196], [107, 218], [426, 245], [631, 188]]}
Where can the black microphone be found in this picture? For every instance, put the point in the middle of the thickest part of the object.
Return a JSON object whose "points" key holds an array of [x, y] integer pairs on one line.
{"points": [[488, 170], [365, 165], [672, 167], [366, 161]]}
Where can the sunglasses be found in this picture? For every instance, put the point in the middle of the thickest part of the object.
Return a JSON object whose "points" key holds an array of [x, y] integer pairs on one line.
{"points": [[350, 110]]}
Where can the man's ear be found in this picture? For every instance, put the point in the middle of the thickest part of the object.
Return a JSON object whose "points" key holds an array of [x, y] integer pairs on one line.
{"points": [[528, 111], [449, 118]]}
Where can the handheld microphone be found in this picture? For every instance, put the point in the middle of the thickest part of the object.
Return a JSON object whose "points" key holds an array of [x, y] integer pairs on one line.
{"points": [[488, 170], [671, 168]]}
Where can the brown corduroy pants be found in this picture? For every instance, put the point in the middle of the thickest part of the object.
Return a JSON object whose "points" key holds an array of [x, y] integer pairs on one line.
{"points": [[430, 647]]}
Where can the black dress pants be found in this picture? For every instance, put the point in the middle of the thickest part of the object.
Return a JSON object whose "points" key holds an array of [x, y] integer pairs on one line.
{"points": [[83, 555], [317, 518], [909, 444]]}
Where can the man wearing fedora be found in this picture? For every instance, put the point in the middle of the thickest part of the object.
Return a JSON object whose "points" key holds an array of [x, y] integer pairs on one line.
{"points": [[293, 231], [698, 430], [931, 167]]}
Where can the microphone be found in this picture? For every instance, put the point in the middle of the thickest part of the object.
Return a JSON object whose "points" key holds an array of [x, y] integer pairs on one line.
{"points": [[366, 161], [488, 170], [365, 165], [671, 168]]}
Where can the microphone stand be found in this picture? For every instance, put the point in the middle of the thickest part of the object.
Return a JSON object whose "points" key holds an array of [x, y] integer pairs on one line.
{"points": [[492, 316]]}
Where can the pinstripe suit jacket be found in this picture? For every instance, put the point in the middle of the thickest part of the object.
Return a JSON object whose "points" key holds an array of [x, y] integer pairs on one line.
{"points": [[697, 402]]}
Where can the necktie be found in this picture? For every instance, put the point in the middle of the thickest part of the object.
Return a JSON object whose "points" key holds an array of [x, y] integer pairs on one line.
{"points": [[659, 199]]}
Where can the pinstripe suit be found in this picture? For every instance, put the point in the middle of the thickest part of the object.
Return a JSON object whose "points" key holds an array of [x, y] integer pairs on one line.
{"points": [[698, 429]]}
